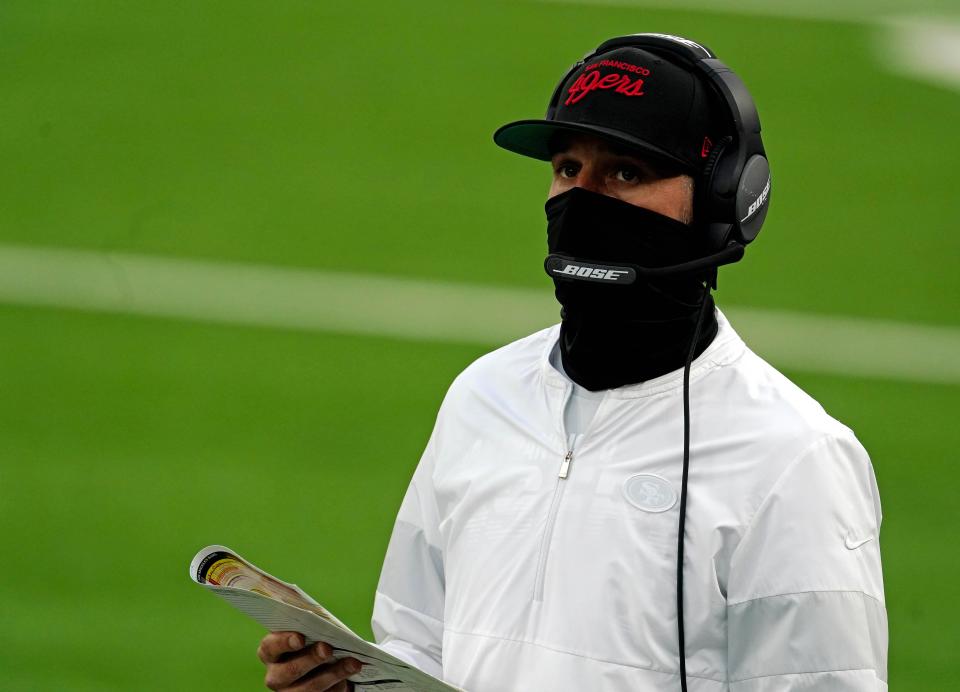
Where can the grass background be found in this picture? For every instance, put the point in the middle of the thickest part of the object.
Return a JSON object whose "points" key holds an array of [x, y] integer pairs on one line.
{"points": [[356, 136]]}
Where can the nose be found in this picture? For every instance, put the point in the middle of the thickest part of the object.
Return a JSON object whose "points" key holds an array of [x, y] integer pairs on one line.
{"points": [[588, 179]]}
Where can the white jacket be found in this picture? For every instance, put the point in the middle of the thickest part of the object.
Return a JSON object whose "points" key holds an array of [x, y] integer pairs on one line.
{"points": [[502, 576]]}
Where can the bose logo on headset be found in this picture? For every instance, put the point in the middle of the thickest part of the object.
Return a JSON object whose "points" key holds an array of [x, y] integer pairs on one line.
{"points": [[758, 202]]}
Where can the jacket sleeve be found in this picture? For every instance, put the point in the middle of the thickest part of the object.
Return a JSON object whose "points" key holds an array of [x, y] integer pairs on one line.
{"points": [[805, 605], [408, 608]]}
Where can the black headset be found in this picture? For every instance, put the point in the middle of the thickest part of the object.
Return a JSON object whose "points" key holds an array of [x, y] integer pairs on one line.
{"points": [[733, 190]]}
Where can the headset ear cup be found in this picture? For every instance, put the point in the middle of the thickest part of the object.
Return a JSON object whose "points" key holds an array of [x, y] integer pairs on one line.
{"points": [[713, 157], [708, 211], [752, 198]]}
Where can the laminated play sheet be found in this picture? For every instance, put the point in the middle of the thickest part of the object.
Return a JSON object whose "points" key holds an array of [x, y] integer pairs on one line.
{"points": [[283, 607]]}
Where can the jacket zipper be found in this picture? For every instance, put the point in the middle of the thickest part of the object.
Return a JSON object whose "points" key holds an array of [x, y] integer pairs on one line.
{"points": [[551, 520], [554, 506], [557, 496]]}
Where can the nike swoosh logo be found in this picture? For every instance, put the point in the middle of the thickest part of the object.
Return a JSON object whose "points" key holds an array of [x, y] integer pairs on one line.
{"points": [[853, 545]]}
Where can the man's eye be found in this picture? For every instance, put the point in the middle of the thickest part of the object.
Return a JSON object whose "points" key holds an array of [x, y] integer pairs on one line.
{"points": [[628, 175], [567, 170]]}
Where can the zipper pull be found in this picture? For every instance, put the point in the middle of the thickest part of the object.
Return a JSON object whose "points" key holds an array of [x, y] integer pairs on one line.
{"points": [[565, 466]]}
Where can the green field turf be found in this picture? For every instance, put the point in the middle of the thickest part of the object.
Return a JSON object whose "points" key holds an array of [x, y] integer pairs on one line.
{"points": [[356, 136]]}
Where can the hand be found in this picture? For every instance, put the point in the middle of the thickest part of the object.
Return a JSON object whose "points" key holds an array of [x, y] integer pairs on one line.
{"points": [[294, 668]]}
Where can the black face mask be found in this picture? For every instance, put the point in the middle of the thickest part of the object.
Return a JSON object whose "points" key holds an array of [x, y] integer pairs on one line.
{"points": [[621, 323]]}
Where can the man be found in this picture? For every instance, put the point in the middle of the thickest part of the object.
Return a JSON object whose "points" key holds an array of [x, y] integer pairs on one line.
{"points": [[633, 500]]}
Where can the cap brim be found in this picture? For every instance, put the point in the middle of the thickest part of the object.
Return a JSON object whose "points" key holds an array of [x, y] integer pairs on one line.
{"points": [[536, 139]]}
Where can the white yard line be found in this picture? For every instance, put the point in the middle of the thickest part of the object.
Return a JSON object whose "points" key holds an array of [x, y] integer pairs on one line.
{"points": [[922, 47], [256, 295]]}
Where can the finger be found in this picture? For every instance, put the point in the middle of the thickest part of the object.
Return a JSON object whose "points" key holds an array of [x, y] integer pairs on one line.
{"points": [[291, 667], [329, 678], [276, 644]]}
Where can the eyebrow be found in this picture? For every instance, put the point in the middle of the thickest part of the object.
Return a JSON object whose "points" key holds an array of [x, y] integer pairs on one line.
{"points": [[560, 145], [620, 155]]}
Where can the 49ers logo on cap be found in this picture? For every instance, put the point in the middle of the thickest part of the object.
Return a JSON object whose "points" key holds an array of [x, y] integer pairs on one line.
{"points": [[591, 80]]}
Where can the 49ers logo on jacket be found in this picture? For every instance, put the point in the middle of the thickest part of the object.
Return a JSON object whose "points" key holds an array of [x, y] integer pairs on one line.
{"points": [[592, 80], [649, 492]]}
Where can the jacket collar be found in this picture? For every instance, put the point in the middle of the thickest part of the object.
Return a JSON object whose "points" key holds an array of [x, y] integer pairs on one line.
{"points": [[725, 349]]}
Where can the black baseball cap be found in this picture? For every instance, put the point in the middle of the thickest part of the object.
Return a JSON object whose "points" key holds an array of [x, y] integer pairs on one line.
{"points": [[633, 98]]}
